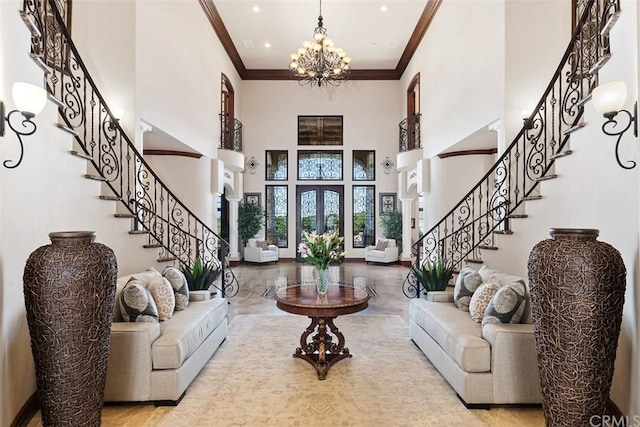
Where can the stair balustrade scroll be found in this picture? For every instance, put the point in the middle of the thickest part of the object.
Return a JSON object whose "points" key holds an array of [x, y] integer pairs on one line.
{"points": [[156, 211], [513, 179]]}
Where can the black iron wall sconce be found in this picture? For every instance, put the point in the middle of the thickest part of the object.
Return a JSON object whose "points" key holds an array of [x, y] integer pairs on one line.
{"points": [[29, 100], [608, 99]]}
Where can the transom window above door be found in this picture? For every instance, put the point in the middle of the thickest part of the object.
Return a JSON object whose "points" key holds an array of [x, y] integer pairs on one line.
{"points": [[325, 165]]}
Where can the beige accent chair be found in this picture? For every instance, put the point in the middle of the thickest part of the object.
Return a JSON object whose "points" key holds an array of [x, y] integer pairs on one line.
{"points": [[253, 253], [388, 255]]}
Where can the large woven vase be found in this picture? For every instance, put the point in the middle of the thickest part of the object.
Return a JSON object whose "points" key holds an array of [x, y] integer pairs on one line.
{"points": [[577, 292], [69, 292]]}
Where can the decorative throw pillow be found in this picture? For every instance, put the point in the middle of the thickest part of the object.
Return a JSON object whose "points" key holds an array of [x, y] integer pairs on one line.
{"points": [[179, 285], [507, 305], [262, 244], [466, 284], [381, 245], [136, 303], [162, 293], [480, 300], [147, 276]]}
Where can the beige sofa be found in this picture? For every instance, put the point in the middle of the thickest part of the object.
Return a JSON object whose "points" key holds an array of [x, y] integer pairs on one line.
{"points": [[491, 364], [156, 361]]}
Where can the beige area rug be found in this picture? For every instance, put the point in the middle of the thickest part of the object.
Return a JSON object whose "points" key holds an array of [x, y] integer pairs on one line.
{"points": [[253, 380]]}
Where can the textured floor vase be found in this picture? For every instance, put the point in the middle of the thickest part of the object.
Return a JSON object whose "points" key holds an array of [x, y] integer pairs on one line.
{"points": [[69, 291], [577, 294]]}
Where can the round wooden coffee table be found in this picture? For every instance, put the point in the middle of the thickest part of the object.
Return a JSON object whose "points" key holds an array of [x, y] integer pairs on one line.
{"points": [[321, 352]]}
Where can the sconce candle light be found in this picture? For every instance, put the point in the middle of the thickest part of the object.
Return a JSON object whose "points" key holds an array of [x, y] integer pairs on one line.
{"points": [[29, 100], [608, 99]]}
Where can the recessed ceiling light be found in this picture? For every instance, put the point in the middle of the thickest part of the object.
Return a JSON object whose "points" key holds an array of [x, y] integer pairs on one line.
{"points": [[248, 44], [383, 8], [267, 45], [256, 9], [392, 44]]}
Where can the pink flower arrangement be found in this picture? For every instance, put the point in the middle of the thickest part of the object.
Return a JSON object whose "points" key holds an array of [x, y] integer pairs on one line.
{"points": [[321, 250]]}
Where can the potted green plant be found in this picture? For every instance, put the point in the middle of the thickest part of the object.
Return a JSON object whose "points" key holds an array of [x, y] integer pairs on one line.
{"points": [[391, 223], [250, 221], [433, 275], [200, 275]]}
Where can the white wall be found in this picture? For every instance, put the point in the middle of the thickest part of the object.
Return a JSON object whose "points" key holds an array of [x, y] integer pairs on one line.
{"points": [[189, 180], [109, 55], [451, 179], [178, 64], [462, 67], [270, 111]]}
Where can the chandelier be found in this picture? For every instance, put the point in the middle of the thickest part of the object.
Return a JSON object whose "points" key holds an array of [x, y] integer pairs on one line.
{"points": [[320, 61]]}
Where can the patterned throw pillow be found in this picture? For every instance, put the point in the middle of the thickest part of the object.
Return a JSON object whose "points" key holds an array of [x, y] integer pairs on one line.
{"points": [[381, 245], [466, 284], [507, 305], [136, 303], [179, 285], [480, 300], [262, 244], [162, 293]]}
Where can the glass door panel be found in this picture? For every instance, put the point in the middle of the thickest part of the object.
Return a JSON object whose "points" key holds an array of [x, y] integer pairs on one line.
{"points": [[320, 209]]}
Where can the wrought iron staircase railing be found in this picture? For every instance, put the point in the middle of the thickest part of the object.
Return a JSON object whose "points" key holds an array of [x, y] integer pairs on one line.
{"points": [[154, 210], [231, 133], [487, 208]]}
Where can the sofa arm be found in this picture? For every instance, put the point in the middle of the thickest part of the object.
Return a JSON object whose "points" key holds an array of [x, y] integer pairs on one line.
{"points": [[514, 363], [252, 254], [129, 367], [272, 248], [392, 252]]}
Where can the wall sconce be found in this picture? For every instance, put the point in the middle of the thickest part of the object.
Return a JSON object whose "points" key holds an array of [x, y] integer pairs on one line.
{"points": [[29, 100], [608, 99]]}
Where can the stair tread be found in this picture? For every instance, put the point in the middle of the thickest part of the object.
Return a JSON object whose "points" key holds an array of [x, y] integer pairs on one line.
{"points": [[547, 177], [81, 155], [474, 261], [95, 177], [562, 154], [518, 216], [66, 129], [114, 198], [503, 232], [152, 246], [574, 128], [124, 215], [530, 198], [489, 248], [138, 232], [167, 259]]}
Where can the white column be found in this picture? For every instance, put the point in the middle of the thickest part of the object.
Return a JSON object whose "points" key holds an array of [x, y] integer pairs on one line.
{"points": [[234, 254], [406, 229]]}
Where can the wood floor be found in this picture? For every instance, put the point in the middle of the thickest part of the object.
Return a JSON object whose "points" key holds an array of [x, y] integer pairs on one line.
{"points": [[386, 283]]}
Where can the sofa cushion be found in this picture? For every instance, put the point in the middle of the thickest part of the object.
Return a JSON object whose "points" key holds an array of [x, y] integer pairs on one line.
{"points": [[179, 285], [467, 282], [163, 296], [501, 277], [453, 330], [185, 332], [507, 305], [262, 244], [136, 303], [381, 245], [480, 300]]}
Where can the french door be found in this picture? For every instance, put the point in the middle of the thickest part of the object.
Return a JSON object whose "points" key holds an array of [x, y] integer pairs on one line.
{"points": [[319, 208]]}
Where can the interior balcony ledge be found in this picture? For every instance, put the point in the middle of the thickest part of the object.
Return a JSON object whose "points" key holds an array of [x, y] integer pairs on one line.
{"points": [[233, 161], [408, 160]]}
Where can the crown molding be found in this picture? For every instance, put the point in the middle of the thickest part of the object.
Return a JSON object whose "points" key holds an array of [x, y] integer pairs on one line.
{"points": [[419, 31]]}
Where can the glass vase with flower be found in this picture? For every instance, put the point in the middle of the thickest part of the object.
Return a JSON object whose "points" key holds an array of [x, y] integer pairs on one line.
{"points": [[321, 250]]}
